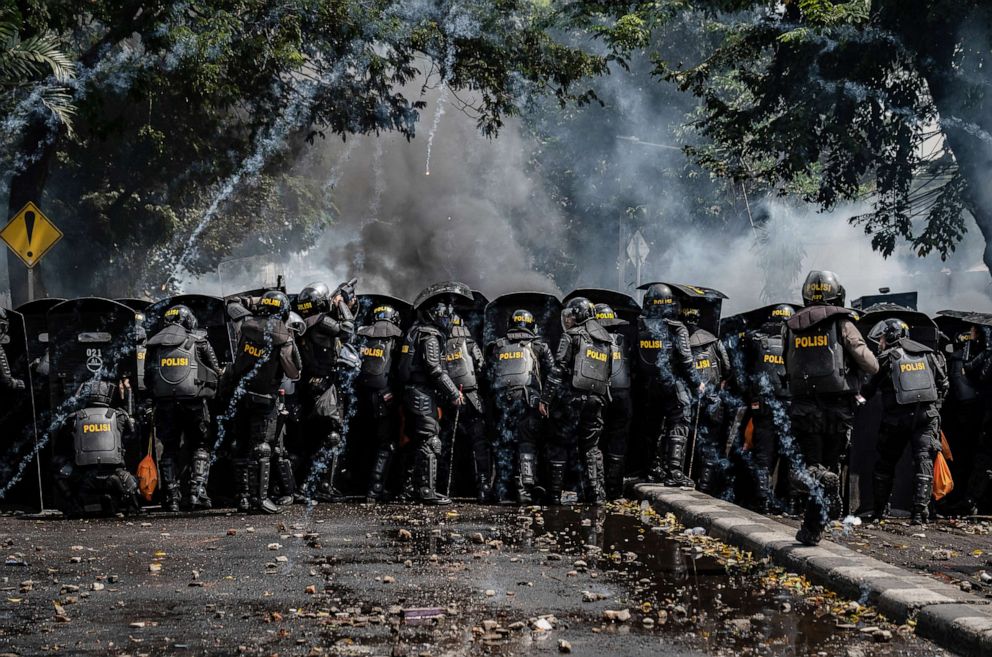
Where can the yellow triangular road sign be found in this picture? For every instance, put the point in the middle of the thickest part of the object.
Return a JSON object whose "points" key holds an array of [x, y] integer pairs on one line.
{"points": [[30, 234]]}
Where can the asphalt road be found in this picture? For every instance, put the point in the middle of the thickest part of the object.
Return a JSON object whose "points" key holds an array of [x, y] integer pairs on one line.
{"points": [[350, 579]]}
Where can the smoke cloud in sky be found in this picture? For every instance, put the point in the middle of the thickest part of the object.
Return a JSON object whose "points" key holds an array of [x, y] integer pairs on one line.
{"points": [[483, 217]]}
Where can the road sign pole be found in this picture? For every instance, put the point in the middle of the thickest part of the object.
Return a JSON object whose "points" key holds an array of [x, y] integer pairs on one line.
{"points": [[30, 283]]}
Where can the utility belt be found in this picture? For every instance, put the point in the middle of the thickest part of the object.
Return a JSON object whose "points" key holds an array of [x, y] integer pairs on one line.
{"points": [[259, 401]]}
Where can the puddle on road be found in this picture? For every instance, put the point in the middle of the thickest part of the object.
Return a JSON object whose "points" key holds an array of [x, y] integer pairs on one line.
{"points": [[693, 600]]}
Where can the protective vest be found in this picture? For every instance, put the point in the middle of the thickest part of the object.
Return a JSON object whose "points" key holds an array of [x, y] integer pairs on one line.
{"points": [[816, 361], [770, 366], [179, 374], [620, 380], [592, 360], [319, 349], [261, 356], [459, 364], [962, 389], [411, 367], [514, 365], [377, 361], [98, 437], [912, 375], [653, 347], [705, 358]]}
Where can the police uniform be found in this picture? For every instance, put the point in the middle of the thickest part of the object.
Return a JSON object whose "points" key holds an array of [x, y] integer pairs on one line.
{"points": [[464, 361], [90, 472], [379, 346], [181, 371], [913, 382], [518, 363], [321, 387], [769, 400], [577, 392], [619, 411], [823, 355], [667, 371], [712, 365], [427, 385], [7, 380], [266, 355]]}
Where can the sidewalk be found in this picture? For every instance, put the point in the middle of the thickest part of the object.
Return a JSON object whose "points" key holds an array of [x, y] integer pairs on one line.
{"points": [[868, 564]]}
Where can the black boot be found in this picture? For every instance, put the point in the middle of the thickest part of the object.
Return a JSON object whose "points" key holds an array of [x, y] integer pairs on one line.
{"points": [[922, 492], [658, 472], [258, 486], [676, 461], [286, 482], [170, 484], [526, 469], [326, 489], [198, 480], [379, 474], [427, 479], [592, 477], [881, 491], [556, 482], [483, 472], [613, 476], [243, 479]]}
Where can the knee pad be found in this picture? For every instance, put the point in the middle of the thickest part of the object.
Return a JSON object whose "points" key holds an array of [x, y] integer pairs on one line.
{"points": [[261, 451], [433, 444]]}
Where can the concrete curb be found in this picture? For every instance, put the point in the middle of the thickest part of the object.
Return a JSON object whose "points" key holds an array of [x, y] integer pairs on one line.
{"points": [[953, 619]]}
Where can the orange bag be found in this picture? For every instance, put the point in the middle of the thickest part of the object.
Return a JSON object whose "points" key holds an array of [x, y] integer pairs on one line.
{"points": [[945, 448], [749, 435], [148, 474], [943, 483]]}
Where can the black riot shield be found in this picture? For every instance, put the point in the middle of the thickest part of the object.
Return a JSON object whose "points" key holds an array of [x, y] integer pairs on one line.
{"points": [[18, 423], [367, 303], [624, 305], [137, 305], [211, 316], [705, 302], [546, 309], [89, 338], [35, 315], [864, 438]]}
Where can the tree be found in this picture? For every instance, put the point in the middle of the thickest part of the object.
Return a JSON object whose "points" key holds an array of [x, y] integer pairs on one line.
{"points": [[24, 62], [190, 115], [886, 100]]}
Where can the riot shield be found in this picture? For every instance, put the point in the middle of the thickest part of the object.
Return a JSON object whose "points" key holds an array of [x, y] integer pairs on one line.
{"points": [[546, 309], [922, 329], [18, 423], [705, 302], [367, 303], [137, 305], [625, 306], [89, 338], [211, 316]]}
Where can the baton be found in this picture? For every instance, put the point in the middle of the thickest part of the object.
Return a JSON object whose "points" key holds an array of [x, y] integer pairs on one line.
{"points": [[451, 453], [695, 428]]}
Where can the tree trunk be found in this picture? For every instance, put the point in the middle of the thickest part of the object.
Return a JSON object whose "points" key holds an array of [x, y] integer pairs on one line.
{"points": [[974, 158]]}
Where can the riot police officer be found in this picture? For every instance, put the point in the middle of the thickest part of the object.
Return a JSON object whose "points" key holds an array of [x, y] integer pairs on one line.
{"points": [[181, 371], [518, 363], [769, 400], [577, 392], [712, 365], [464, 362], [913, 382], [379, 345], [7, 380], [265, 356], [979, 372], [330, 324], [427, 386], [90, 473], [824, 354], [667, 371], [619, 410]]}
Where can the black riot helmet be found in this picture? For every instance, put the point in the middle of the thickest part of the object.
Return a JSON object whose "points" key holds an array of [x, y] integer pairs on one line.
{"points": [[312, 299], [296, 324], [604, 311], [576, 312], [441, 314], [181, 315], [95, 393], [892, 329], [386, 313], [273, 304], [780, 313], [523, 320], [822, 288], [689, 315], [660, 301]]}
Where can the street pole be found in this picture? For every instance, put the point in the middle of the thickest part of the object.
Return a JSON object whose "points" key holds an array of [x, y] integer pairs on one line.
{"points": [[30, 283]]}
